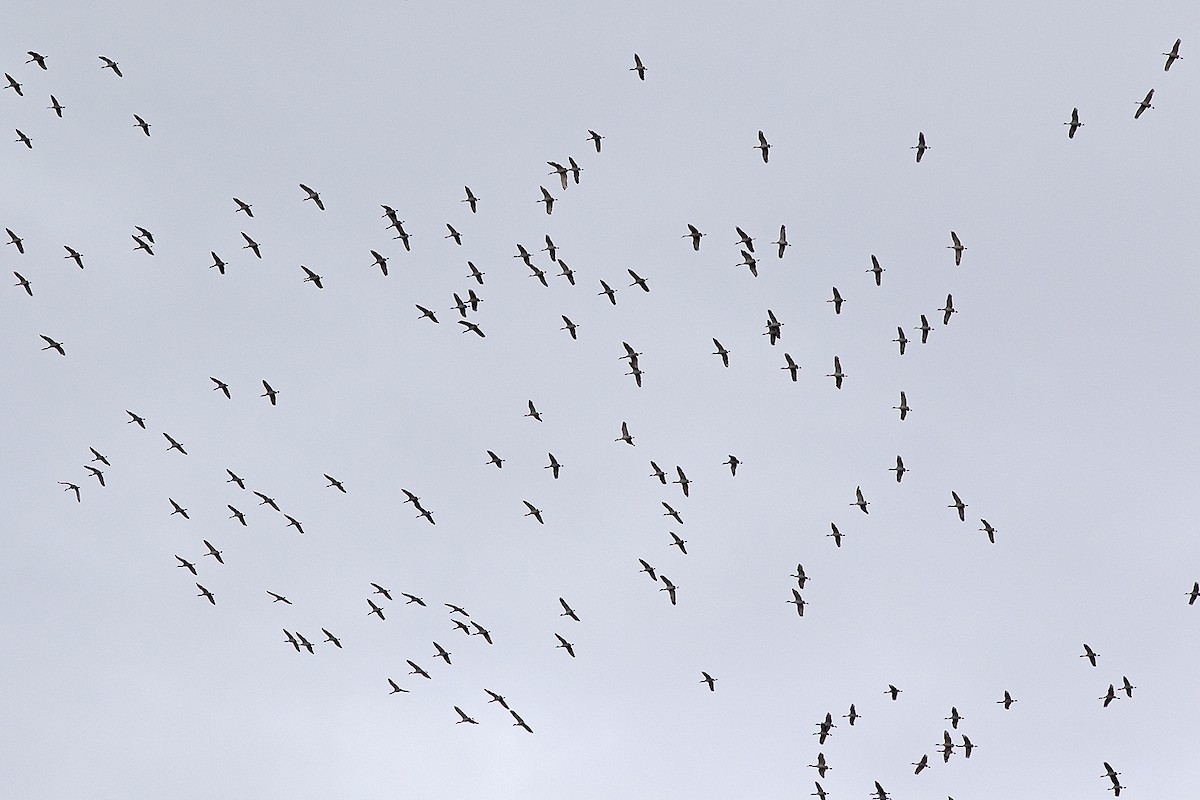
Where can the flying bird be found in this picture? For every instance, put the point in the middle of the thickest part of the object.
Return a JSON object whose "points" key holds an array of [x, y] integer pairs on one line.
{"points": [[380, 261], [783, 242], [426, 313], [774, 327], [316, 198], [214, 552], [837, 373], [471, 327], [238, 515], [15, 240], [1007, 701], [569, 327], [609, 292], [1074, 124], [96, 473], [624, 437], [454, 234], [375, 609], [958, 248], [1127, 687], [893, 691], [533, 511], [948, 310], [269, 393], [672, 513], [921, 147], [218, 264], [677, 542], [251, 245], [497, 698], [903, 407], [567, 610], [1172, 56], [141, 244], [722, 352], [141, 123], [837, 301], [548, 199], [668, 587], [172, 444], [329, 637], [921, 765], [233, 478], [396, 688], [560, 171], [110, 64], [649, 570], [412, 598], [97, 456], [695, 235], [53, 345], [475, 273], [658, 473], [23, 283], [1089, 654], [418, 671], [71, 487], [243, 207], [901, 339], [23, 139], [959, 506], [683, 480], [205, 593], [821, 767], [800, 577], [135, 418], [533, 412], [12, 84], [899, 469], [441, 653], [495, 459], [553, 465], [765, 147], [471, 200], [837, 535], [876, 270], [40, 60], [595, 138], [564, 644], [267, 501], [278, 598], [799, 602], [74, 255], [859, 501], [791, 366], [744, 239], [1194, 593], [463, 717], [638, 281], [312, 276], [710, 680], [640, 69], [221, 386], [189, 566], [292, 522], [1108, 696], [1144, 104], [57, 106]]}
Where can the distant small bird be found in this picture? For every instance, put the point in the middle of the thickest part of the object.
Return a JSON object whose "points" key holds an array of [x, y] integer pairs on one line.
{"points": [[609, 292], [893, 691], [233, 478], [251, 245], [765, 147], [799, 602], [695, 235], [217, 263], [791, 366], [53, 345], [533, 412], [853, 715], [267, 501], [658, 473], [640, 69], [921, 147], [382, 591], [672, 513], [412, 598], [1127, 687], [554, 466], [677, 542], [668, 587], [958, 249], [595, 138], [774, 328], [624, 437], [744, 239], [800, 576], [97, 456], [783, 242], [1089, 654], [683, 480], [23, 283], [638, 281], [471, 327], [316, 198], [334, 483], [294, 523], [921, 765], [426, 313], [110, 64], [567, 610], [1144, 104], [15, 240], [238, 515], [12, 84], [924, 328], [1074, 124], [74, 255], [837, 535], [837, 373], [214, 552], [312, 277], [899, 469], [471, 200], [454, 234], [1172, 56], [722, 352], [876, 270], [244, 207], [547, 199], [40, 60], [141, 123], [270, 393], [189, 566], [57, 106], [1108, 696], [221, 386], [475, 273], [901, 338], [959, 506], [903, 407], [649, 570], [135, 418], [71, 487], [564, 644], [375, 609], [441, 653], [710, 680], [495, 459], [172, 444], [575, 170], [96, 473], [948, 310], [464, 718], [821, 767], [456, 609], [534, 512], [418, 671], [329, 637], [1194, 593], [23, 139], [396, 687], [1007, 701], [837, 301], [205, 593], [859, 500], [141, 244], [278, 598], [954, 717]]}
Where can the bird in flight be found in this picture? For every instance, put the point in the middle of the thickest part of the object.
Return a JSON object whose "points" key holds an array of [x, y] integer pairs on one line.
{"points": [[74, 255], [1144, 104], [96, 473], [312, 276], [533, 412], [71, 487], [141, 123], [564, 644], [380, 261], [1194, 593], [172, 444], [548, 199], [316, 198], [441, 653], [141, 244], [783, 242], [1089, 654], [16, 241], [495, 459], [561, 172], [110, 64], [269, 393], [677, 542], [957, 247], [989, 530], [954, 717], [893, 691], [899, 469], [426, 313], [1074, 124], [329, 637], [471, 200], [710, 680], [251, 245], [99, 457], [1007, 701], [278, 598], [189, 566], [765, 147], [244, 207], [837, 535], [683, 480], [1108, 696], [53, 345], [640, 69], [800, 577], [821, 767], [791, 366], [471, 327], [418, 671], [375, 609], [1112, 774], [668, 587], [267, 501], [214, 552], [837, 373], [695, 235], [774, 327], [57, 106], [554, 466], [625, 437], [638, 281], [799, 602], [609, 292], [396, 687], [40, 60], [294, 523], [569, 327], [23, 283], [454, 234], [672, 513], [594, 138], [135, 418], [233, 478], [902, 339], [876, 270], [567, 610], [646, 568], [837, 301], [948, 310], [1172, 56], [221, 386], [921, 147], [859, 500], [23, 139], [205, 593], [959, 506], [534, 512], [12, 84], [924, 328], [722, 352], [238, 515], [463, 717]]}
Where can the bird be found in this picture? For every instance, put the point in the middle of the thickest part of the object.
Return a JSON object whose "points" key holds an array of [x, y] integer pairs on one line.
{"points": [[221, 386], [145, 234], [312, 276], [1172, 56], [316, 198], [233, 478], [334, 483], [564, 644], [821, 767], [244, 207], [1089, 654], [380, 261], [426, 313], [799, 602], [533, 412], [609, 292], [135, 418], [1111, 774], [16, 241], [820, 793], [495, 459], [1007, 701], [899, 469], [519, 722], [625, 437], [471, 327], [672, 513], [921, 147], [901, 339], [745, 240], [180, 510], [454, 234], [464, 717], [540, 274], [441, 653], [732, 462], [57, 106], [853, 715], [668, 587], [567, 610], [1144, 104], [548, 199], [947, 746], [837, 373], [638, 281], [396, 687], [595, 138], [214, 552], [71, 487], [958, 248], [278, 598], [948, 310], [270, 393], [23, 283], [475, 273], [677, 542], [800, 577], [569, 327], [141, 244], [205, 593], [172, 444], [12, 84], [23, 139], [267, 501], [954, 717], [774, 327], [294, 523], [497, 698], [550, 249], [560, 171], [1074, 124], [97, 456], [649, 570], [412, 598], [566, 272], [418, 671], [96, 473], [710, 680], [640, 69], [765, 147], [924, 328], [238, 515], [837, 535], [1108, 696], [456, 609], [402, 235], [683, 480], [141, 123], [959, 506], [217, 263], [876, 270], [791, 366], [534, 512], [782, 242], [375, 609], [251, 245], [1194, 593], [893, 691], [471, 200], [189, 566], [53, 345], [1127, 687], [967, 746], [40, 60], [903, 407], [695, 235], [658, 473], [921, 765], [110, 64], [554, 466], [837, 301], [329, 637]]}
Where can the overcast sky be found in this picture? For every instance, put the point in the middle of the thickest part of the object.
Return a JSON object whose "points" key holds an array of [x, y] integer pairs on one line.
{"points": [[1058, 402]]}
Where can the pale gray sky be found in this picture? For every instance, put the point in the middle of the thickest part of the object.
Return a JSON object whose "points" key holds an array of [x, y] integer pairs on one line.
{"points": [[1057, 402]]}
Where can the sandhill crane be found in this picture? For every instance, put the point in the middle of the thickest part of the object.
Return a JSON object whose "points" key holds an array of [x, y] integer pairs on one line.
{"points": [[948, 310], [649, 570], [23, 139], [821, 767], [267, 501], [853, 715], [402, 235], [565, 645], [782, 242], [471, 327], [189, 566], [110, 64], [749, 261], [947, 746], [1007, 701], [418, 671], [837, 535], [205, 593], [959, 506], [533, 511], [243, 207], [395, 687], [1194, 593], [15, 240], [475, 273], [57, 106], [217, 264], [820, 793], [1108, 696], [214, 552], [221, 386], [569, 327], [426, 313], [954, 717], [575, 170], [71, 487], [334, 483], [471, 200], [800, 577], [412, 598], [710, 680], [519, 722], [135, 418], [1172, 56], [1089, 654], [141, 123], [1144, 104], [40, 60], [744, 239], [329, 637], [278, 598], [533, 412], [495, 459], [1112, 776], [550, 249], [375, 609], [638, 281], [957, 247], [903, 408], [658, 473], [567, 610], [672, 513], [924, 328], [837, 301], [876, 270], [96, 473], [316, 198], [560, 171], [553, 466], [722, 352], [921, 765], [901, 339], [238, 515], [899, 469], [695, 235], [668, 587], [251, 245], [893, 691], [967, 746], [74, 255], [269, 393], [178, 509], [292, 522], [463, 717], [141, 244], [837, 373], [609, 292], [1074, 124], [683, 480], [97, 456], [566, 271], [921, 147], [625, 437], [765, 147], [1127, 687], [595, 138], [441, 653], [791, 366], [12, 84], [732, 462], [23, 283], [454, 234], [774, 327], [540, 274], [548, 199], [53, 345], [497, 698], [312, 276], [799, 602], [677, 542], [640, 69]]}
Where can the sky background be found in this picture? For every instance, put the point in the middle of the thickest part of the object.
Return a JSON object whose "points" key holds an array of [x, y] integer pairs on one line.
{"points": [[1058, 402]]}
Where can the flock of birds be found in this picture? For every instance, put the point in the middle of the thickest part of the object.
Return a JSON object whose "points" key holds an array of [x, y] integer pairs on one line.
{"points": [[468, 303]]}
